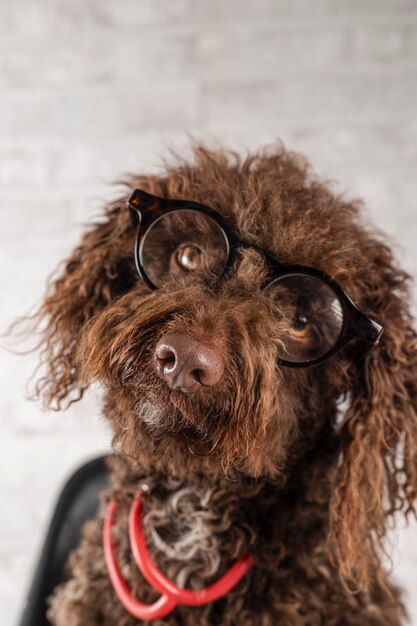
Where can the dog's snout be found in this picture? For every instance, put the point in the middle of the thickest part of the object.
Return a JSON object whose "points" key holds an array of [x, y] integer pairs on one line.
{"points": [[187, 364]]}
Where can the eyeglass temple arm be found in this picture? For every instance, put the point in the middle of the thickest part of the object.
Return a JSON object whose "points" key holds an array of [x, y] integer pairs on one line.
{"points": [[141, 201], [134, 204], [135, 215], [369, 330]]}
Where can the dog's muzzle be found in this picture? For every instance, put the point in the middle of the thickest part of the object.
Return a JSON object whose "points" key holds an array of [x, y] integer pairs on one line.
{"points": [[187, 364]]}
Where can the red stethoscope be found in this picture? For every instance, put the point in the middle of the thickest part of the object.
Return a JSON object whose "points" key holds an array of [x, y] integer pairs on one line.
{"points": [[171, 595]]}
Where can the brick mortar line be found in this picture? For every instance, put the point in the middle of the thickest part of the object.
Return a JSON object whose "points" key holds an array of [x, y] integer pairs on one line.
{"points": [[85, 91]]}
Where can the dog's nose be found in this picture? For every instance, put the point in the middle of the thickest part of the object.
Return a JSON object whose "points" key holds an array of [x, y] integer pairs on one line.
{"points": [[187, 364]]}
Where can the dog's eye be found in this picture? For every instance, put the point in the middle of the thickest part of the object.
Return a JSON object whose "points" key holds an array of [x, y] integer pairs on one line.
{"points": [[301, 329], [189, 257]]}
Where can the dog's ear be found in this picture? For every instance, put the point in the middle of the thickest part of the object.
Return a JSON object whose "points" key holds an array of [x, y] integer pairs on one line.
{"points": [[377, 474], [86, 282]]}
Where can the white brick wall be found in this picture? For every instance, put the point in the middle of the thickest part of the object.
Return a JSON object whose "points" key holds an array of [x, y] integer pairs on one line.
{"points": [[89, 90]]}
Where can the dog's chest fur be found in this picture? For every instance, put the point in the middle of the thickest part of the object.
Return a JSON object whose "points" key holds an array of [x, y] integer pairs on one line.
{"points": [[195, 529]]}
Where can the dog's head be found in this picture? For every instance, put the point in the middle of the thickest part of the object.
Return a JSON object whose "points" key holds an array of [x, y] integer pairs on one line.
{"points": [[206, 356]]}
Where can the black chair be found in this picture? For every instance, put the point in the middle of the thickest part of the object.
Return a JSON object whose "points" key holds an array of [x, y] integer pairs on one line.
{"points": [[77, 503]]}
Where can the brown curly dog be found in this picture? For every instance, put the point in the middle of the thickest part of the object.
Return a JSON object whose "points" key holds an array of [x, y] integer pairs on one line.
{"points": [[249, 385]]}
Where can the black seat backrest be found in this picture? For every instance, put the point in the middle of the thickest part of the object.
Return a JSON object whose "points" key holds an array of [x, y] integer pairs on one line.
{"points": [[77, 503]]}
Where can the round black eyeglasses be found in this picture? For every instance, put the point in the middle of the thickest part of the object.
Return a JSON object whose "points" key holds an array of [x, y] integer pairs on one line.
{"points": [[182, 240]]}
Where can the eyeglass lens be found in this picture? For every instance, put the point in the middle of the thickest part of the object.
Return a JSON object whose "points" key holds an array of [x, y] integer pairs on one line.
{"points": [[182, 244], [309, 316]]}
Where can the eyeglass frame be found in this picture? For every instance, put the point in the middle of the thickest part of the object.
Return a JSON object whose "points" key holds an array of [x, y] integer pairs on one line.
{"points": [[146, 208]]}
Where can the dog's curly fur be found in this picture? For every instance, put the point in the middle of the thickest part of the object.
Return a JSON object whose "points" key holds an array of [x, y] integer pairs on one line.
{"points": [[304, 467]]}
